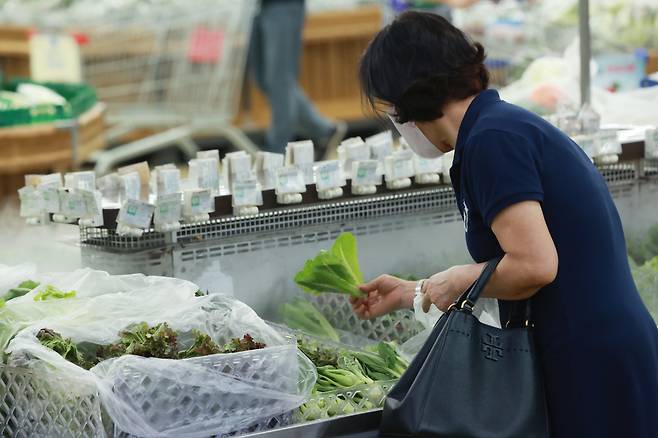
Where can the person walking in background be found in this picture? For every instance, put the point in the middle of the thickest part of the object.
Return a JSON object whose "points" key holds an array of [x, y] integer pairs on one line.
{"points": [[274, 61]]}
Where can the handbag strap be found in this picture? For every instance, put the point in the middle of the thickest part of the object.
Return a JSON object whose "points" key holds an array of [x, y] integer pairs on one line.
{"points": [[468, 299]]}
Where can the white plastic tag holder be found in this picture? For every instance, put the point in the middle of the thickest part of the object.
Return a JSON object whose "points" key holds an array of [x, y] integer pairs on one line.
{"points": [[168, 181], [427, 171], [31, 205], [197, 205], [93, 216], [266, 165], [329, 180], [399, 169], [131, 186], [168, 212], [289, 185], [365, 177], [246, 197], [134, 217], [302, 155]]}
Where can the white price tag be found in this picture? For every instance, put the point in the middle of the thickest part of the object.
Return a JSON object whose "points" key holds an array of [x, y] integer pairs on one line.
{"points": [[168, 208], [651, 143], [328, 176], [247, 193], [136, 214], [289, 179], [90, 200], [198, 202], [72, 204], [398, 167], [168, 181], [132, 186], [31, 201], [208, 174], [80, 180], [50, 197], [364, 173], [424, 165]]}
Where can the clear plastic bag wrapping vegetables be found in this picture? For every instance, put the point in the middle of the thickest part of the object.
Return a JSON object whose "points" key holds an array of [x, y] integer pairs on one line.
{"points": [[23, 311], [12, 276], [194, 397]]}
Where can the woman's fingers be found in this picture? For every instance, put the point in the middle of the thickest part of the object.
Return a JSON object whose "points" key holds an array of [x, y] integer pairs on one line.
{"points": [[372, 285]]}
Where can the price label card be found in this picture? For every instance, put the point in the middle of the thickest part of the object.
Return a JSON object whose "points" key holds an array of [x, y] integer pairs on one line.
{"points": [[198, 202], [168, 181], [131, 183], [651, 143], [424, 165], [90, 200], [208, 174], [398, 166], [247, 193], [72, 204], [136, 214], [50, 197], [289, 179], [168, 208], [80, 180], [364, 173], [31, 201], [328, 175]]}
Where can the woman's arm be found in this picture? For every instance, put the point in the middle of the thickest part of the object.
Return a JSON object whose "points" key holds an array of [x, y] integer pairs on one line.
{"points": [[530, 260]]}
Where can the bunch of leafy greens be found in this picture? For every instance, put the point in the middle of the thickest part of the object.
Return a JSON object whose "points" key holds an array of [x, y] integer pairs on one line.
{"points": [[299, 314], [18, 291], [247, 343], [50, 292], [342, 369], [64, 347], [336, 270], [159, 341]]}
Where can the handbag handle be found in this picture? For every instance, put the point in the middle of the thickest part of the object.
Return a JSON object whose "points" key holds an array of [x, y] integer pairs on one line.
{"points": [[468, 299]]}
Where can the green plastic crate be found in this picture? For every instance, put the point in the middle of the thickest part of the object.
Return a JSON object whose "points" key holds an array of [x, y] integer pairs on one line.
{"points": [[79, 97]]}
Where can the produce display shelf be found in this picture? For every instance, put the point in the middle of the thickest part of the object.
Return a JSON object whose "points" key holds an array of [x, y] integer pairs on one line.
{"points": [[435, 198]]}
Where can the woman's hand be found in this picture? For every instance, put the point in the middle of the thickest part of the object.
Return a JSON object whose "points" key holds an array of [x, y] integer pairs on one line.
{"points": [[384, 295], [444, 288]]}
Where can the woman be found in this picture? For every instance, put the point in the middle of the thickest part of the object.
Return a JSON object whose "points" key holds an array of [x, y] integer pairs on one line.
{"points": [[525, 191]]}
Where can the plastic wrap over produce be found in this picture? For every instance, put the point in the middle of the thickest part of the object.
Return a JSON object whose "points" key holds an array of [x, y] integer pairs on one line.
{"points": [[11, 276], [195, 397], [86, 284]]}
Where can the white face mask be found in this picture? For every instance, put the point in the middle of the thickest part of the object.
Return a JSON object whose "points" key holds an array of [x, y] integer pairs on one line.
{"points": [[416, 139]]}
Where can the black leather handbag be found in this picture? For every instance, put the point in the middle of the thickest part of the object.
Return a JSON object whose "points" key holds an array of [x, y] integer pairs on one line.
{"points": [[470, 379]]}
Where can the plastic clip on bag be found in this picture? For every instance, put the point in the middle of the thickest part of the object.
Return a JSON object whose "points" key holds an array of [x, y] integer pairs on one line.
{"points": [[504, 389]]}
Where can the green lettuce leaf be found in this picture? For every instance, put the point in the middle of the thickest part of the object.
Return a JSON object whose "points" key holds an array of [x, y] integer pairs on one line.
{"points": [[334, 271]]}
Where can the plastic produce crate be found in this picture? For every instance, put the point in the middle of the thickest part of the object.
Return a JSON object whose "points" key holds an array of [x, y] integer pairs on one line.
{"points": [[35, 406], [398, 326]]}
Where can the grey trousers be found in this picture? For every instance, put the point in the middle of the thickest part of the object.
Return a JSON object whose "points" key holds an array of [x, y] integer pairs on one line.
{"points": [[274, 62]]}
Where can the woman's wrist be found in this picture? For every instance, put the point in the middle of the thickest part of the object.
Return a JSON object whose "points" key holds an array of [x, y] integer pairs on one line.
{"points": [[407, 295]]}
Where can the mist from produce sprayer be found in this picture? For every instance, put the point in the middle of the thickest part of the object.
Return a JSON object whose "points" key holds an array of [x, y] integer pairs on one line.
{"points": [[53, 247]]}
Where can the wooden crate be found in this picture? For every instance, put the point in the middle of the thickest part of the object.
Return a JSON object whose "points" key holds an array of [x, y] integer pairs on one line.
{"points": [[46, 147]]}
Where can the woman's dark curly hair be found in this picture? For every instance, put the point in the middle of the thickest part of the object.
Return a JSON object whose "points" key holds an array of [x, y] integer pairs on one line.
{"points": [[419, 63]]}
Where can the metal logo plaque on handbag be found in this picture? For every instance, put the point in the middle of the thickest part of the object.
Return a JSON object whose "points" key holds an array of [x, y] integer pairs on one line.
{"points": [[470, 379]]}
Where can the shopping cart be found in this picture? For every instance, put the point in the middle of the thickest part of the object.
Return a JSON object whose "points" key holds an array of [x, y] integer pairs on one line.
{"points": [[175, 68]]}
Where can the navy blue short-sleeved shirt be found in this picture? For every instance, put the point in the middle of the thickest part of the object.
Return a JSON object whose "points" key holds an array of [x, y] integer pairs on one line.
{"points": [[596, 339]]}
